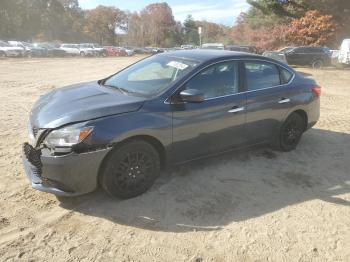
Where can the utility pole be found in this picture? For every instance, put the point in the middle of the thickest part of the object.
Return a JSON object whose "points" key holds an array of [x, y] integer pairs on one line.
{"points": [[200, 36]]}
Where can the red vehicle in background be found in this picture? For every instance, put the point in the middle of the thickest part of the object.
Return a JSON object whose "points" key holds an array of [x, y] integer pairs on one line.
{"points": [[115, 51]]}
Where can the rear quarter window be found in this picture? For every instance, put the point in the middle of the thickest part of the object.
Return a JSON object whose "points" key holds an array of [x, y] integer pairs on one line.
{"points": [[286, 75]]}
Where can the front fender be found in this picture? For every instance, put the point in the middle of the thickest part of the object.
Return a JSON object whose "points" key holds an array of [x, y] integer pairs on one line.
{"points": [[115, 129]]}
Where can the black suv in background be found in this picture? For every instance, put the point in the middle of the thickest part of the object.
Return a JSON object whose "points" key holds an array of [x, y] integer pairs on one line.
{"points": [[317, 57]]}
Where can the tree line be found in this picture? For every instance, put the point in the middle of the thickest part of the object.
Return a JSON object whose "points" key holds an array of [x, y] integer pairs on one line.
{"points": [[268, 24], [66, 21]]}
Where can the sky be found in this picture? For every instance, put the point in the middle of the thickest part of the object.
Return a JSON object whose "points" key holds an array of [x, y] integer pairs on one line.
{"points": [[218, 11]]}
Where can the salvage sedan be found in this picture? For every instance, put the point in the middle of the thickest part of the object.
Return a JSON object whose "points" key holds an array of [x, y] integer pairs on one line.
{"points": [[170, 108]]}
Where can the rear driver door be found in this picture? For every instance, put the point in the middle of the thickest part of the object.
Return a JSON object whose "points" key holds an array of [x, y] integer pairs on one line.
{"points": [[269, 98]]}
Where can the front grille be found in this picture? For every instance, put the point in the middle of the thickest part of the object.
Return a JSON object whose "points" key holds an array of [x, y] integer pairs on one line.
{"points": [[33, 157]]}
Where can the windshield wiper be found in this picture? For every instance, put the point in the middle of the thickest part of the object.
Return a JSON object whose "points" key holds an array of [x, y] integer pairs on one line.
{"points": [[121, 89]]}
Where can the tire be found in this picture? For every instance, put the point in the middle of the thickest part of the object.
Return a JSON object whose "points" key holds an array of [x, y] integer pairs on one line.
{"points": [[82, 54], [317, 64], [130, 170], [290, 133], [2, 54]]}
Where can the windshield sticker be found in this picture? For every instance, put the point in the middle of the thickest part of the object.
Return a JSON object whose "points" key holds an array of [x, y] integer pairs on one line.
{"points": [[177, 65]]}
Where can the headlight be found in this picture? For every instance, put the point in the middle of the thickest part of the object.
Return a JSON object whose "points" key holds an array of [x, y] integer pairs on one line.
{"points": [[67, 136]]}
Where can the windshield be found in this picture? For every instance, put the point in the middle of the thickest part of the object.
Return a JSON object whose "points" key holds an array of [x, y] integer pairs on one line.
{"points": [[151, 76], [286, 49]]}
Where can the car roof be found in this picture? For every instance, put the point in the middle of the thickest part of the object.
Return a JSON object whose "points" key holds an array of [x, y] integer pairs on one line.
{"points": [[205, 55]]}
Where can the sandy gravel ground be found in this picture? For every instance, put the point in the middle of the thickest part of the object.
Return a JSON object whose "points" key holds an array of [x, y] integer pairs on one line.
{"points": [[250, 205]]}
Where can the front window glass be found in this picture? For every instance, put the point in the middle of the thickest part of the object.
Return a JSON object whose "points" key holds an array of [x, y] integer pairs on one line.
{"points": [[217, 80], [151, 76], [261, 75]]}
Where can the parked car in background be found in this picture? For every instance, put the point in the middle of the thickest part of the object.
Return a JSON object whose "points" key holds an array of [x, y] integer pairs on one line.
{"points": [[99, 50], [215, 46], [344, 52], [129, 50], [20, 45], [6, 50], [242, 48], [153, 50], [115, 51], [187, 47], [71, 49], [166, 109], [172, 49], [139, 50], [32, 50], [51, 49], [87, 50], [317, 57], [276, 55]]}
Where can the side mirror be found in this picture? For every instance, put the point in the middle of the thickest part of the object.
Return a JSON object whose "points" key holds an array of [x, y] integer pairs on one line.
{"points": [[192, 96]]}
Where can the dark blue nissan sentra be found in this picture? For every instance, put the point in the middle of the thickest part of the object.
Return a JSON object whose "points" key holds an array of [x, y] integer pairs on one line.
{"points": [[166, 109]]}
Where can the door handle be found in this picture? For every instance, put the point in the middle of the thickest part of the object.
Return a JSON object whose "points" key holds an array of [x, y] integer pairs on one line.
{"points": [[284, 101], [236, 109]]}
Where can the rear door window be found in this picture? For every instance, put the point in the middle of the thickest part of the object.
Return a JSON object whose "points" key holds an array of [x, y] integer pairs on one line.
{"points": [[261, 75]]}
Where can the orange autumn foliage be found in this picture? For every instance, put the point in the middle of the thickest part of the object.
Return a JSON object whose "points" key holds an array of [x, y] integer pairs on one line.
{"points": [[314, 29]]}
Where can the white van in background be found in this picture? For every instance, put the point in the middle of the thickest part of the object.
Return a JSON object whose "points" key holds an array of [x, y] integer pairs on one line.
{"points": [[214, 46], [71, 49], [344, 52]]}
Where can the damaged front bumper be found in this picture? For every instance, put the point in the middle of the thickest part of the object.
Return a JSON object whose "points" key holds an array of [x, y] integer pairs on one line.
{"points": [[64, 175]]}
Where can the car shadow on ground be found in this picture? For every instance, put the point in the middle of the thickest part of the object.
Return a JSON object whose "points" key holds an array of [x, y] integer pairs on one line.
{"points": [[212, 193]]}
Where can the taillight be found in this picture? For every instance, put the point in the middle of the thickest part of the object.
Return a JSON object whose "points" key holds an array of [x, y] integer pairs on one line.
{"points": [[316, 90]]}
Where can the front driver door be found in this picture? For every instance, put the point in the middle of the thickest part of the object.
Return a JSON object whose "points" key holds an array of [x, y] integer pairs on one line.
{"points": [[217, 123]]}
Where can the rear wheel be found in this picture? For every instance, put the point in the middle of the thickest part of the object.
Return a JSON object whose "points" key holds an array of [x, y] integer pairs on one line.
{"points": [[317, 64], [130, 170], [290, 133], [2, 54]]}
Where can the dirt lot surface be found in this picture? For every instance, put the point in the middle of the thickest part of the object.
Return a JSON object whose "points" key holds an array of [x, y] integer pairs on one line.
{"points": [[249, 205]]}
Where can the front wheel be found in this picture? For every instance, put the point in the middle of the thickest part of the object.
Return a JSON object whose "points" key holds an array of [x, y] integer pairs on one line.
{"points": [[130, 170], [290, 133]]}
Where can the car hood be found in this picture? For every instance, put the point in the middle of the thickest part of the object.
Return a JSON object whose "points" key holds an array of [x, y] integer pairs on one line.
{"points": [[81, 102]]}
